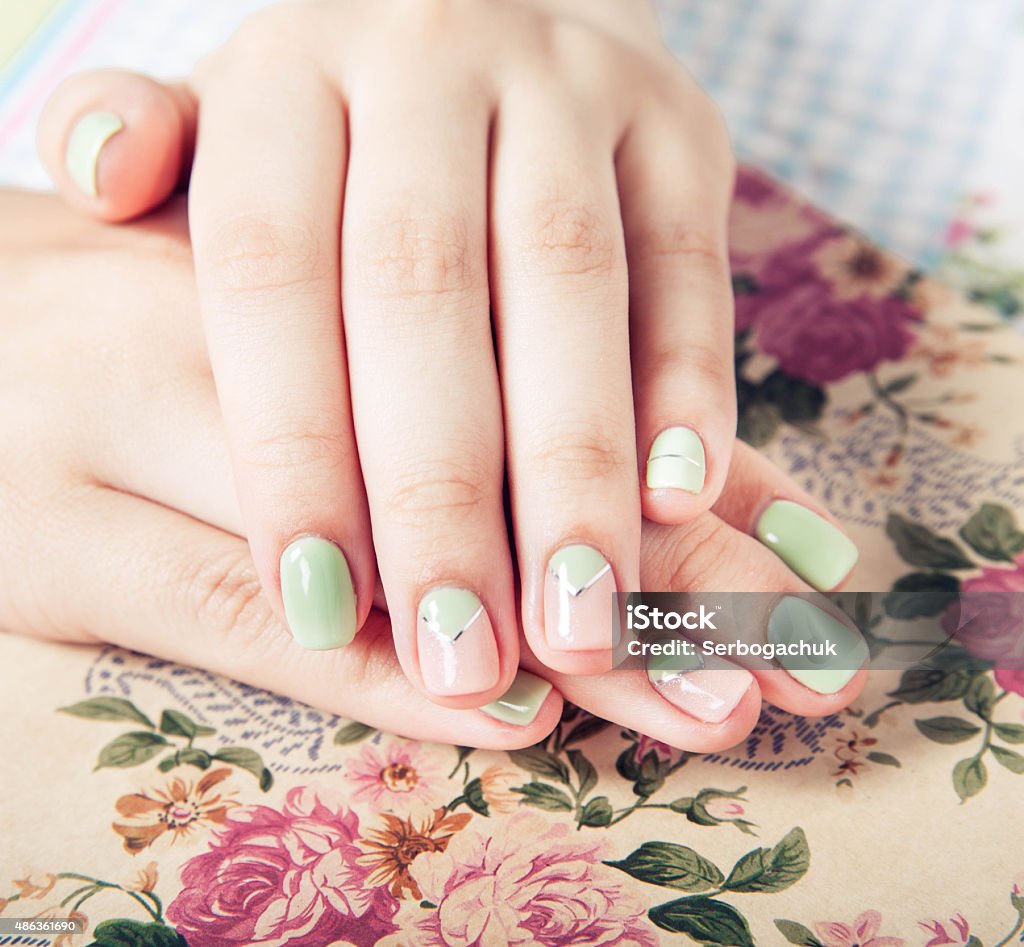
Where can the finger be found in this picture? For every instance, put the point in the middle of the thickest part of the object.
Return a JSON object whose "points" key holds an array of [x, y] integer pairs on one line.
{"points": [[117, 143], [700, 710], [762, 500], [415, 299], [709, 555], [675, 201], [163, 584], [560, 303], [265, 236]]}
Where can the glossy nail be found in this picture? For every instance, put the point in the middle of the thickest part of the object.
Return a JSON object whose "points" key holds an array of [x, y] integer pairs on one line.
{"points": [[810, 545], [705, 688], [89, 136], [794, 620], [455, 639], [319, 598], [578, 590], [521, 703], [677, 461]]}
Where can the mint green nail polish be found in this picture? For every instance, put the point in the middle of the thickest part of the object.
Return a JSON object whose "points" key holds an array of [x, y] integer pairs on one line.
{"points": [[87, 140], [795, 620], [578, 567], [677, 461], [319, 599], [811, 546], [662, 668], [449, 611], [520, 704]]}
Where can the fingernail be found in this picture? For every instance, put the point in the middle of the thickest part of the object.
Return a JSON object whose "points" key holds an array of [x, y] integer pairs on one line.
{"points": [[795, 620], [93, 131], [458, 653], [578, 589], [521, 703], [811, 546], [709, 693], [677, 461], [319, 599]]}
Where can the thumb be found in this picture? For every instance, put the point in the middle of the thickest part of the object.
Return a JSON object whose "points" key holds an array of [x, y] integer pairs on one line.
{"points": [[117, 144]]}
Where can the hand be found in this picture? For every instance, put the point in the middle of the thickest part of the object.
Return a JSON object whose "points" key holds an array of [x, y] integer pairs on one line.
{"points": [[120, 521], [548, 164]]}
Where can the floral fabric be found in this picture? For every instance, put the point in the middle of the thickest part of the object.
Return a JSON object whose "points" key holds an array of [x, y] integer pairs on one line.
{"points": [[167, 806]]}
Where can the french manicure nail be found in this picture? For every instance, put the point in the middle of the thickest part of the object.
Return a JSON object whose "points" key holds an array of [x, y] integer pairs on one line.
{"points": [[707, 689], [794, 620], [521, 703], [93, 131], [810, 545], [319, 598], [578, 590], [677, 461], [455, 639]]}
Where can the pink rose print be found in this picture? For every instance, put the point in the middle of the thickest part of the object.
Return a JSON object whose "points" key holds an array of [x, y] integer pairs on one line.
{"points": [[531, 883], [955, 931], [863, 932], [989, 620], [1011, 680], [762, 218], [274, 878], [724, 809], [663, 751], [821, 339]]}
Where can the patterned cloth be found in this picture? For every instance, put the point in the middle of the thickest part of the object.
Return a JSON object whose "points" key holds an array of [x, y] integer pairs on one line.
{"points": [[144, 796]]}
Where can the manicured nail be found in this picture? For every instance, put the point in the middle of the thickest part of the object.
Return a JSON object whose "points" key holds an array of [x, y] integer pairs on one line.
{"points": [[811, 546], [319, 599], [709, 690], [458, 653], [93, 131], [578, 590], [795, 620], [521, 703], [677, 461]]}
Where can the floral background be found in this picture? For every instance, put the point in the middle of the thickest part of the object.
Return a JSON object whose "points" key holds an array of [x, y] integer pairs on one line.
{"points": [[166, 806]]}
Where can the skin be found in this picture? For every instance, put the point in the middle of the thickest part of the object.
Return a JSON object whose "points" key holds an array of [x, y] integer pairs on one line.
{"points": [[438, 242], [121, 521]]}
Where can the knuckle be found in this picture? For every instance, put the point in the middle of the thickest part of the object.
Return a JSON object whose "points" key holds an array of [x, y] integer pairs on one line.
{"points": [[687, 245], [290, 450], [430, 16], [441, 492], [697, 557], [253, 254], [702, 367], [413, 254], [584, 453], [272, 28], [223, 597], [570, 238]]}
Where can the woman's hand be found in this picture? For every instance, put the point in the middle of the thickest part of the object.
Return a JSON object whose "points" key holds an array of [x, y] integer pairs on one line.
{"points": [[120, 521], [437, 241]]}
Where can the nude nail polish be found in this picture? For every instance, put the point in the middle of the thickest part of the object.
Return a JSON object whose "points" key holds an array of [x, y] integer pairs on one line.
{"points": [[705, 688], [578, 590], [455, 640]]}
